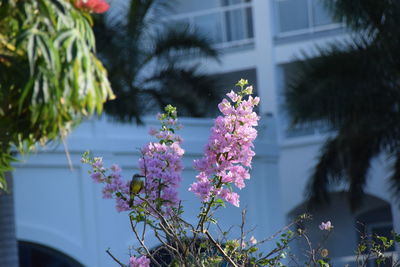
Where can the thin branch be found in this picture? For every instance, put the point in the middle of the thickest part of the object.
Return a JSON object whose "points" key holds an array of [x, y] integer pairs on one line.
{"points": [[242, 229], [163, 263], [293, 259], [142, 243], [66, 150], [275, 250], [170, 230], [114, 258], [144, 228], [312, 253], [171, 249], [220, 249], [279, 232], [168, 246], [207, 208]]}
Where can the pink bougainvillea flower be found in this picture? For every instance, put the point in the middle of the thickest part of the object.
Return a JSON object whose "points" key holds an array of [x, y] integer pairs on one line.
{"points": [[139, 262], [161, 165], [253, 240], [95, 6], [97, 177], [229, 152], [326, 226]]}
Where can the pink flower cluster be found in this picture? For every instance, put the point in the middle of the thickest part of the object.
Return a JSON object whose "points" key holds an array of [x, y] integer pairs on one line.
{"points": [[161, 164], [114, 185], [229, 151], [139, 262]]}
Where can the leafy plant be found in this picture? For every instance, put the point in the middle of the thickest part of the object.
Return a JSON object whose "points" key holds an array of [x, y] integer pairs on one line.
{"points": [[50, 76]]}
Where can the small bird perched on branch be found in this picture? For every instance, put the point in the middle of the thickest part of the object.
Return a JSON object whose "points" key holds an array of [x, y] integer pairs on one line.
{"points": [[135, 187]]}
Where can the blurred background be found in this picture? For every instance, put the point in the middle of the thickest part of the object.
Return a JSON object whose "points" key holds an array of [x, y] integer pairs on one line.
{"points": [[327, 75]]}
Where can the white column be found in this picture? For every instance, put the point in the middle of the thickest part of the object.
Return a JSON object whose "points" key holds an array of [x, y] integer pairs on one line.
{"points": [[264, 32]]}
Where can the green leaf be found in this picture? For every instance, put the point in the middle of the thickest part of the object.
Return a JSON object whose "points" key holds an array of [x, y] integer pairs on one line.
{"points": [[253, 249], [31, 50], [322, 263], [25, 91], [396, 237]]}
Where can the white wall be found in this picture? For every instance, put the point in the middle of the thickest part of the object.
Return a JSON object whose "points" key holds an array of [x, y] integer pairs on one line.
{"points": [[296, 161], [63, 209]]}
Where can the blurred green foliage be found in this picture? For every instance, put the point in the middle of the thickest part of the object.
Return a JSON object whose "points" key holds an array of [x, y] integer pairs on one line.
{"points": [[50, 76]]}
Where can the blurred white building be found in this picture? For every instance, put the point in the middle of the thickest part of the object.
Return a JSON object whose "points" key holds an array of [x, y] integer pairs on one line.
{"points": [[60, 212]]}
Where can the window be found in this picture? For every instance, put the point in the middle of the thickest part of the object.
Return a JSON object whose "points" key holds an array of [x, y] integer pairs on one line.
{"points": [[286, 73], [187, 6], [228, 23], [295, 17], [227, 80]]}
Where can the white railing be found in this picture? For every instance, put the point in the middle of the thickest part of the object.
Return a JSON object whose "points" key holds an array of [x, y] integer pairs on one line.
{"points": [[310, 29], [306, 129], [217, 24]]}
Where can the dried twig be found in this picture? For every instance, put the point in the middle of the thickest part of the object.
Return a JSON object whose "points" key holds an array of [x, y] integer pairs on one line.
{"points": [[142, 243], [220, 249], [242, 229], [114, 258]]}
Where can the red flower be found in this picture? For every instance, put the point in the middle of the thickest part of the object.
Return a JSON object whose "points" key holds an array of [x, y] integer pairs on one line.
{"points": [[95, 6]]}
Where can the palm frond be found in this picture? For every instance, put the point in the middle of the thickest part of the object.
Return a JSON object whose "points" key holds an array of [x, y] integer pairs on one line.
{"points": [[184, 40], [136, 17], [346, 83], [192, 92], [353, 86], [344, 160], [361, 150], [146, 59], [394, 179], [365, 15], [127, 106], [327, 173]]}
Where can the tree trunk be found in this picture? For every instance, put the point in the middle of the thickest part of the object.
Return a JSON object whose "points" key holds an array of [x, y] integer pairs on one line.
{"points": [[8, 239]]}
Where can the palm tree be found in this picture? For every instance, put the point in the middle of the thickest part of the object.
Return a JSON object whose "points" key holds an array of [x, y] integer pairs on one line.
{"points": [[354, 86], [147, 60]]}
